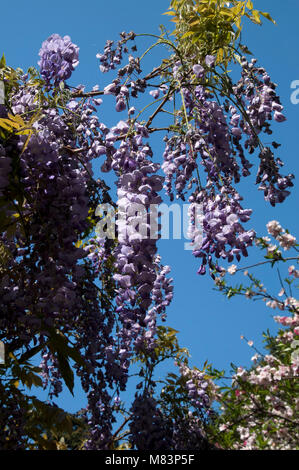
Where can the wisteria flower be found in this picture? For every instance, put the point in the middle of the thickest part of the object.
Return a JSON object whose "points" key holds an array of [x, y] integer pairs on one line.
{"points": [[58, 58]]}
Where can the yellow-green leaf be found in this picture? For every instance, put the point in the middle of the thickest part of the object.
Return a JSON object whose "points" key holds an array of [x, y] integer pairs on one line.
{"points": [[194, 22], [237, 9], [267, 15], [26, 143], [2, 62], [17, 118], [256, 16], [238, 23], [188, 34], [220, 54], [6, 124]]}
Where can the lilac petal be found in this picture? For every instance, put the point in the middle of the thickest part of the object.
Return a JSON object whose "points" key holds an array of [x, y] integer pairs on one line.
{"points": [[210, 60], [198, 70]]}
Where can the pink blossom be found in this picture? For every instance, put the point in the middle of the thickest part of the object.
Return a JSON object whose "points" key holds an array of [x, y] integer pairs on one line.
{"points": [[274, 228]]}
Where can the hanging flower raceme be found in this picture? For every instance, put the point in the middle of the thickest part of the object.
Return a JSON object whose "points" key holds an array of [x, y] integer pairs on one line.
{"points": [[210, 137], [143, 291], [58, 58], [199, 388], [149, 429], [54, 288], [112, 56]]}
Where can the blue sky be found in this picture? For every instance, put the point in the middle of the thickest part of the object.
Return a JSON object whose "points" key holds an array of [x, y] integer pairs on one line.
{"points": [[209, 325]]}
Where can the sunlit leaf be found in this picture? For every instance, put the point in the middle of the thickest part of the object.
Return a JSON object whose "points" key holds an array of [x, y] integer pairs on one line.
{"points": [[256, 16], [268, 16]]}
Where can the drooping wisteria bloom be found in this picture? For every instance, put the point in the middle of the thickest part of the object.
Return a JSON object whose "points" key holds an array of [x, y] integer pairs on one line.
{"points": [[58, 58], [149, 429], [112, 55], [143, 290]]}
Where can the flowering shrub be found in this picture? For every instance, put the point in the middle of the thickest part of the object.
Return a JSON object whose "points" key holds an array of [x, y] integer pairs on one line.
{"points": [[260, 410]]}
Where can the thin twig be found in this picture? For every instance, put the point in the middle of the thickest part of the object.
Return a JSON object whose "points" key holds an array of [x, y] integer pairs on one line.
{"points": [[151, 118], [268, 261]]}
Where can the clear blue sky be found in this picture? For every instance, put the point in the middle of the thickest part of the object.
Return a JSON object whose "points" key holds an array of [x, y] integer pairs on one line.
{"points": [[210, 326]]}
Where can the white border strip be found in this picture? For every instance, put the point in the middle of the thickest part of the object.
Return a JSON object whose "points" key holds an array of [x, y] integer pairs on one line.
{"points": [[2, 92], [2, 353]]}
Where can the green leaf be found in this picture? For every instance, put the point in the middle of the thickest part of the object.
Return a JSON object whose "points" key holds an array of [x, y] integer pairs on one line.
{"points": [[174, 376], [59, 343], [187, 34], [2, 62], [36, 380], [27, 377], [28, 354], [245, 49], [66, 372]]}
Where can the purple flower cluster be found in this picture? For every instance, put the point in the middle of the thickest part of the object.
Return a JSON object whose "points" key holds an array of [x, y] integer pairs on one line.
{"points": [[211, 138], [224, 236], [123, 86], [55, 210], [58, 58], [148, 427], [55, 286], [112, 56], [50, 374], [197, 387], [256, 92], [25, 100], [188, 434], [97, 253], [271, 181], [141, 281], [179, 165], [123, 91]]}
